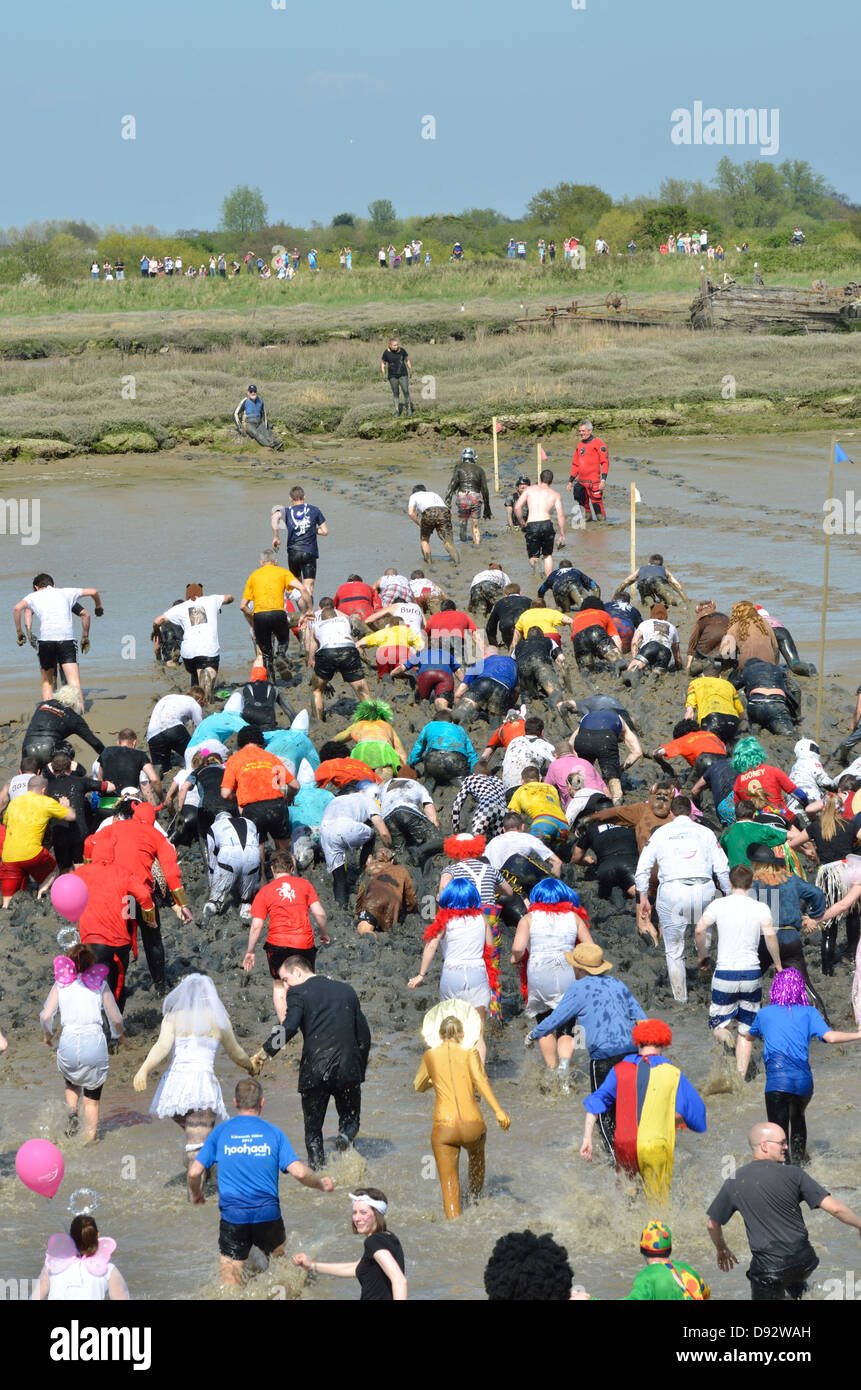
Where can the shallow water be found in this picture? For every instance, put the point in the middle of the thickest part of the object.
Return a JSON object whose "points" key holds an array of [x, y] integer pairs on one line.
{"points": [[732, 520]]}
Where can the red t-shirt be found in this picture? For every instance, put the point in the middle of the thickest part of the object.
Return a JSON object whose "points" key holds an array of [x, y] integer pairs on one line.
{"points": [[356, 598], [591, 461], [514, 728], [593, 617], [772, 781], [452, 621], [343, 770], [286, 902], [689, 746]]}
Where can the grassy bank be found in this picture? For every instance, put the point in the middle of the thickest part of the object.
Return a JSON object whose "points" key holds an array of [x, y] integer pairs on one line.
{"points": [[644, 382]]}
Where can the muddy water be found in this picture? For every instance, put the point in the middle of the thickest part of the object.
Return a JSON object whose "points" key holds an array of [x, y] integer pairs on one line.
{"points": [[729, 523]]}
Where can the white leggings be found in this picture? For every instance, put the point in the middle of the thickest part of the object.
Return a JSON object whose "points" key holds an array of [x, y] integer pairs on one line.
{"points": [[338, 837], [680, 905]]}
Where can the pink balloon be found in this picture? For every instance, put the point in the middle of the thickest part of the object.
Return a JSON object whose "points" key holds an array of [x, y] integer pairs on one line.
{"points": [[39, 1164], [69, 895]]}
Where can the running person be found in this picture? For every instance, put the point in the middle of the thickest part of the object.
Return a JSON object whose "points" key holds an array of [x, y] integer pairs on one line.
{"points": [[539, 503], [468, 487], [429, 512], [304, 523], [198, 618], [56, 645], [263, 604]]}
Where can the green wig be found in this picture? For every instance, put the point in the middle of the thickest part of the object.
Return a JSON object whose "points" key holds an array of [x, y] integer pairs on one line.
{"points": [[374, 709], [748, 754]]}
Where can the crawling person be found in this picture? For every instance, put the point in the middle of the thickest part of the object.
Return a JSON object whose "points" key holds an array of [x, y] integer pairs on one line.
{"points": [[386, 894]]}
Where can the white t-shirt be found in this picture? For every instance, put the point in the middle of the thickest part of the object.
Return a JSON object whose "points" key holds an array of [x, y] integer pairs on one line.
{"points": [[421, 501], [198, 618], [171, 710], [358, 806], [491, 577], [19, 783], [424, 588], [403, 791], [53, 608], [525, 751], [739, 920], [500, 849], [333, 632], [658, 630], [411, 614]]}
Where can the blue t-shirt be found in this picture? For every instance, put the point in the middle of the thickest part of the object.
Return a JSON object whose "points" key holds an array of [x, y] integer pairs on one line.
{"points": [[602, 719], [498, 668], [302, 522], [250, 1154], [786, 1034], [292, 744], [605, 1009], [432, 659], [441, 736], [308, 805]]}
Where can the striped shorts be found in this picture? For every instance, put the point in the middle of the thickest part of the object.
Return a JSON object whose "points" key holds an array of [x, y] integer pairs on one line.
{"points": [[736, 996]]}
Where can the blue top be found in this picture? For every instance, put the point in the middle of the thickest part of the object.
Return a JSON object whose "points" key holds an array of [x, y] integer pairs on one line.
{"points": [[441, 737], [583, 581], [602, 719], [432, 659], [253, 409], [292, 744], [219, 725], [498, 668], [308, 805], [786, 1033], [688, 1104], [303, 521], [786, 901], [606, 1011], [250, 1154]]}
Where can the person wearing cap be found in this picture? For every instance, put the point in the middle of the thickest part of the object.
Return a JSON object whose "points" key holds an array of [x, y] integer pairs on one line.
{"points": [[605, 1009], [198, 618], [650, 1095], [662, 1278], [251, 412], [688, 858], [514, 521], [768, 1193]]}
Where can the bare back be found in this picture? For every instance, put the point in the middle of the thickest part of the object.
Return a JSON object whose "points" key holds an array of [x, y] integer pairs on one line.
{"points": [[542, 502]]}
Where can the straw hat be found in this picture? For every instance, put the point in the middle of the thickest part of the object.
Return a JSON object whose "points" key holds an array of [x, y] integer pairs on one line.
{"points": [[590, 958]]}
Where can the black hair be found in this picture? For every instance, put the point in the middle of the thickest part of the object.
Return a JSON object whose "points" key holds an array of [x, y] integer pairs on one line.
{"points": [[685, 726], [250, 735], [526, 1267], [592, 603]]}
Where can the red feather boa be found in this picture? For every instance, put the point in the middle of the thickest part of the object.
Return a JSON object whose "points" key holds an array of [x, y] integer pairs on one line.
{"points": [[445, 915]]}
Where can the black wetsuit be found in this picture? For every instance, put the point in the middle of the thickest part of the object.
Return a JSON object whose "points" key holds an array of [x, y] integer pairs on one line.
{"points": [[534, 657], [67, 836], [615, 849], [776, 713], [569, 586], [52, 724], [503, 617], [122, 765]]}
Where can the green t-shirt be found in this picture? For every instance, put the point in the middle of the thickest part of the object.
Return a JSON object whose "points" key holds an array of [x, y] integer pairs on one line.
{"points": [[658, 1282], [735, 840]]}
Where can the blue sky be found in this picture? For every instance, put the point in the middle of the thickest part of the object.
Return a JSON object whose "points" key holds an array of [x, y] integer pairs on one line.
{"points": [[321, 105]]}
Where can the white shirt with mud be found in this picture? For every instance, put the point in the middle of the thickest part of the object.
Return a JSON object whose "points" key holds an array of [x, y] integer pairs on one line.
{"points": [[53, 608], [198, 618]]}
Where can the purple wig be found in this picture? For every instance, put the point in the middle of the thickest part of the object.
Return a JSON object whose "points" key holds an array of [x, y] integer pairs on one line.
{"points": [[787, 988]]}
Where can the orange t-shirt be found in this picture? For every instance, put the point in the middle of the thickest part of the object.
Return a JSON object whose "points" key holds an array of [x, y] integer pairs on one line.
{"points": [[689, 746], [254, 774], [286, 902], [593, 617], [343, 770], [501, 737]]}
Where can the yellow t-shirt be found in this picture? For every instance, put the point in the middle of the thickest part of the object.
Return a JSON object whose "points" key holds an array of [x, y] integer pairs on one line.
{"points": [[26, 818], [398, 636], [537, 799], [711, 695], [266, 587], [548, 619]]}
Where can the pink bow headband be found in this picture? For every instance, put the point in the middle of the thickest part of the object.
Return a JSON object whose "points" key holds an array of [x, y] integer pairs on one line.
{"points": [[66, 973]]}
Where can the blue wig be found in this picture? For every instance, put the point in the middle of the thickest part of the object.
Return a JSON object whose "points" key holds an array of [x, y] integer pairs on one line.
{"points": [[553, 890], [461, 895]]}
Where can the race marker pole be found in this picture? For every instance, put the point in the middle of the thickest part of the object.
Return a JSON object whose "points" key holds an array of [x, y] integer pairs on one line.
{"points": [[824, 617], [538, 460], [633, 527], [495, 456]]}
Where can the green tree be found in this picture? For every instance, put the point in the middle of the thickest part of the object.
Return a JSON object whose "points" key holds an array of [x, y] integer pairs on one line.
{"points": [[384, 219], [656, 224], [808, 192], [577, 205], [343, 219], [243, 211]]}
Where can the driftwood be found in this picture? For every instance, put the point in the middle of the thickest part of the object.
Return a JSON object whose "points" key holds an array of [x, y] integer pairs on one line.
{"points": [[763, 308]]}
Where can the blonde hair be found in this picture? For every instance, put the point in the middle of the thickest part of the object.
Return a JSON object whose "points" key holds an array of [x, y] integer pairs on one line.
{"points": [[68, 696], [830, 819], [743, 617], [451, 1029]]}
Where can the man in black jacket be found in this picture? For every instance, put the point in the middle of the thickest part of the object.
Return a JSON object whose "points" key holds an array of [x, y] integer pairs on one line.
{"points": [[468, 487], [336, 1044]]}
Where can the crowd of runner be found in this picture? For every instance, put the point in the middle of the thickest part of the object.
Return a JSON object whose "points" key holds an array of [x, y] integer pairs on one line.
{"points": [[514, 793]]}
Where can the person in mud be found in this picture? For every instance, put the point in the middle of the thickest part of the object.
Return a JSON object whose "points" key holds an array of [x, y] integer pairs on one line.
{"points": [[539, 503], [773, 697], [796, 906], [430, 514], [748, 637], [654, 646], [706, 636], [68, 784], [267, 588], [385, 895], [468, 488], [197, 615], [843, 752], [654, 583], [536, 672], [503, 617], [589, 468], [597, 740], [594, 636], [785, 645], [443, 750], [627, 619], [715, 703], [53, 722], [251, 413], [489, 687], [715, 771], [514, 521], [690, 742], [55, 645], [487, 587], [166, 640], [304, 523], [569, 586], [611, 847]]}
